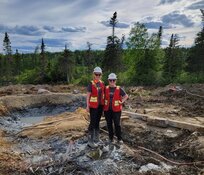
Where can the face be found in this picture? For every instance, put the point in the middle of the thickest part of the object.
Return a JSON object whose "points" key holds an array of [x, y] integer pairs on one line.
{"points": [[97, 76], [112, 82]]}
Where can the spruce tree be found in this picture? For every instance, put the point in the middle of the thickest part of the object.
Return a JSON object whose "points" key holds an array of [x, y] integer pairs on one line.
{"points": [[43, 61], [89, 58], [17, 63], [7, 45], [65, 66], [1, 69], [112, 61], [174, 63], [195, 59], [69, 64], [8, 64]]}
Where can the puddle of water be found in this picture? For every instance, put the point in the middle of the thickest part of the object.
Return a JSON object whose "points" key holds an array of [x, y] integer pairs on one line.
{"points": [[32, 120], [36, 115]]}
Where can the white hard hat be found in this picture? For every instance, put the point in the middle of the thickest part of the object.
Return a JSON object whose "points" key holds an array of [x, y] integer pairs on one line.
{"points": [[112, 76], [97, 70]]}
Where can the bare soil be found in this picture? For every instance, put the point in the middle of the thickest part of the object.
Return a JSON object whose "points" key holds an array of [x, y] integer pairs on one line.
{"points": [[186, 104], [144, 145]]}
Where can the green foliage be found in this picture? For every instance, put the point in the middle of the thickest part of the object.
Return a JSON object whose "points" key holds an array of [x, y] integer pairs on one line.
{"points": [[195, 59], [83, 80], [64, 66], [174, 61], [28, 77], [43, 61], [17, 63], [138, 37], [144, 62], [7, 45], [123, 78], [144, 55], [81, 76], [112, 61], [186, 77], [113, 55]]}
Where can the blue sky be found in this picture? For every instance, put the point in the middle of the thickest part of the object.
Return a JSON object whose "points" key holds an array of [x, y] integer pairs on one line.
{"points": [[76, 22]]}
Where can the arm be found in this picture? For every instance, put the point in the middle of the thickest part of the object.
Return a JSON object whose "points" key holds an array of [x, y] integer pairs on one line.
{"points": [[124, 98], [88, 96], [87, 101]]}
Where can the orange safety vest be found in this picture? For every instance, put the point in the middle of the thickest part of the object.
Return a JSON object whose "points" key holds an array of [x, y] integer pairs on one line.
{"points": [[116, 106], [93, 100]]}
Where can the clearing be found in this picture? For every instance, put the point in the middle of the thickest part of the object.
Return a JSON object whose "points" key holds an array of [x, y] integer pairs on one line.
{"points": [[43, 130]]}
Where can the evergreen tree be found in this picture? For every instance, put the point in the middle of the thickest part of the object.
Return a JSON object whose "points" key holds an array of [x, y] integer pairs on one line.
{"points": [[8, 62], [17, 63], [1, 69], [202, 12], [136, 44], [7, 45], [70, 64], [174, 63], [154, 42], [196, 56], [65, 66], [113, 22], [159, 35], [143, 55], [35, 57], [43, 61], [113, 52], [89, 58]]}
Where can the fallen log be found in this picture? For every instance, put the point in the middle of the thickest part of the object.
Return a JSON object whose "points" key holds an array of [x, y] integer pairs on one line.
{"points": [[163, 122]]}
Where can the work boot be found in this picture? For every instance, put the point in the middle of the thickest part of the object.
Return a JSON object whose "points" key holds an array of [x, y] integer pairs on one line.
{"points": [[110, 141], [96, 136], [120, 142], [91, 140]]}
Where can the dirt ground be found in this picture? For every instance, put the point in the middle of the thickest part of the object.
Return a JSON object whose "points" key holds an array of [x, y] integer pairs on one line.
{"points": [[9, 161], [34, 89], [178, 151], [185, 104]]}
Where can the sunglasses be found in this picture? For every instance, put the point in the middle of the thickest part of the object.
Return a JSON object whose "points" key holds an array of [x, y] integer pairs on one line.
{"points": [[97, 74], [112, 80]]}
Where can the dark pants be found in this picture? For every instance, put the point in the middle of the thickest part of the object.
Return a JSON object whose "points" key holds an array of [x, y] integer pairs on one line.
{"points": [[110, 118], [95, 117]]}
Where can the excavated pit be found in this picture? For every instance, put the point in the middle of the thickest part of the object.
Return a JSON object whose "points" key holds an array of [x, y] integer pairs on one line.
{"points": [[37, 114], [47, 135]]}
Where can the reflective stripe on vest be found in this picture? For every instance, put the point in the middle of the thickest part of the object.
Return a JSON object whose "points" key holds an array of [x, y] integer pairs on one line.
{"points": [[93, 101], [117, 103], [116, 106]]}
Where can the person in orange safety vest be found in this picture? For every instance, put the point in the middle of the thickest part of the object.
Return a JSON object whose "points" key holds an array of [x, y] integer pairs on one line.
{"points": [[95, 103], [115, 96]]}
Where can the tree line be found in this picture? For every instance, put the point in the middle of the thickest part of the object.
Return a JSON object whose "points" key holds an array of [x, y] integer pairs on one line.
{"points": [[142, 62]]}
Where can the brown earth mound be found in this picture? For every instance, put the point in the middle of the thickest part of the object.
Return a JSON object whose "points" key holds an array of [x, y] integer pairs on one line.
{"points": [[70, 125]]}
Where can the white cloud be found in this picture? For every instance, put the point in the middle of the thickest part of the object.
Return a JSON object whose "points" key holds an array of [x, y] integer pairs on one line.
{"points": [[79, 21]]}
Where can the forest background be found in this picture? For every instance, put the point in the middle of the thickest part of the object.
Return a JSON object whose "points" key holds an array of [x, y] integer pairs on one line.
{"points": [[137, 59]]}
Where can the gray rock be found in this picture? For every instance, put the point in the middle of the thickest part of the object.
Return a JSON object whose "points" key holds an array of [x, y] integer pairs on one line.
{"points": [[43, 91]]}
